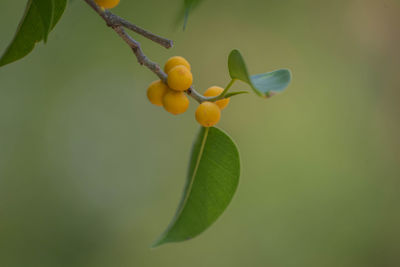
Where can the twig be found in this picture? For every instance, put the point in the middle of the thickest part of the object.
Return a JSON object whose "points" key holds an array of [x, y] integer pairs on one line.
{"points": [[114, 20], [117, 24], [151, 36]]}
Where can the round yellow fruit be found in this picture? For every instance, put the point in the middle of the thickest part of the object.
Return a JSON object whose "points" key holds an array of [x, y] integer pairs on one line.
{"points": [[215, 91], [156, 92], [208, 114], [179, 78], [107, 3], [175, 102], [176, 61]]}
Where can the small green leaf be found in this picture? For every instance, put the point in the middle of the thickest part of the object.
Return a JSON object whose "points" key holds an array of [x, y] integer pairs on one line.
{"points": [[212, 180], [235, 93], [262, 84], [237, 67], [39, 19]]}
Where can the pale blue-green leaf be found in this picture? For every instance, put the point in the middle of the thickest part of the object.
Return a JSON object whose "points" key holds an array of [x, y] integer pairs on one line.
{"points": [[275, 81], [212, 179]]}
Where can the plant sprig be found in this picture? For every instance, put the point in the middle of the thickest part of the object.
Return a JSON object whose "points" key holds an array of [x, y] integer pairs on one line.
{"points": [[214, 166]]}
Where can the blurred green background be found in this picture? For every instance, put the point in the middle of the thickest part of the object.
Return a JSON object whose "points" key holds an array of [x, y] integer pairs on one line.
{"points": [[91, 173]]}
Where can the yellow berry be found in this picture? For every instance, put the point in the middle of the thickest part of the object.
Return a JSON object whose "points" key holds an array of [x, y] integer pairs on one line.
{"points": [[208, 114], [180, 78], [156, 92], [175, 102], [107, 3], [176, 61], [215, 91]]}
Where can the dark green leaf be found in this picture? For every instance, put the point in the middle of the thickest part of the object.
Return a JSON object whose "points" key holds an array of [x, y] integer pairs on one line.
{"points": [[59, 8], [262, 84], [45, 9], [212, 180], [39, 18]]}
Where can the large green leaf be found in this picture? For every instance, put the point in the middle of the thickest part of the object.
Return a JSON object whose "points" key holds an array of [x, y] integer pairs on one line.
{"points": [[59, 8], [212, 180], [45, 9], [39, 19], [262, 84]]}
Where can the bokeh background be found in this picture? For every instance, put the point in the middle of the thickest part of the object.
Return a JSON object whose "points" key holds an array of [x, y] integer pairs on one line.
{"points": [[91, 173]]}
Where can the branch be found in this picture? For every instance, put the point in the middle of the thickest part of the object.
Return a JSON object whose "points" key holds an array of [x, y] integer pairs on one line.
{"points": [[117, 24], [141, 57]]}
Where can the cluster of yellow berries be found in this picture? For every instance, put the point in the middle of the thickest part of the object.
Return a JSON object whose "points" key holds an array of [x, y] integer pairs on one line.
{"points": [[172, 96]]}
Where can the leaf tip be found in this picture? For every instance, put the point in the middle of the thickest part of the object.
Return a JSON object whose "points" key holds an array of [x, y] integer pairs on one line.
{"points": [[234, 52], [161, 240], [185, 19], [156, 244]]}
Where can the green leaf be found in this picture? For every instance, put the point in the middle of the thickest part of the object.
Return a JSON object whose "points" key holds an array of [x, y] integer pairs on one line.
{"points": [[59, 8], [187, 8], [45, 9], [237, 67], [262, 84], [212, 180], [39, 19], [235, 93], [275, 81]]}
